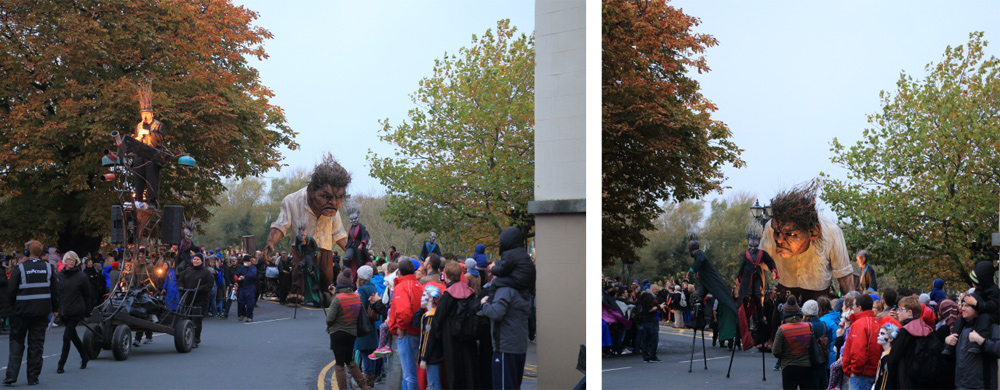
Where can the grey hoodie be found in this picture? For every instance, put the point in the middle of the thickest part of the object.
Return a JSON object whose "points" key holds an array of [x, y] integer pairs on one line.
{"points": [[508, 313]]}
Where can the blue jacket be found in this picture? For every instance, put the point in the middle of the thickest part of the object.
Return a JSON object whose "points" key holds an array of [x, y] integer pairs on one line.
{"points": [[170, 286], [937, 293], [369, 342], [379, 281], [107, 276], [480, 257], [832, 322], [249, 274]]}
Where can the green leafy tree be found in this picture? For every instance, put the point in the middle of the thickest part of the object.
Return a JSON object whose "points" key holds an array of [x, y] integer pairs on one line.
{"points": [[660, 142], [464, 165], [68, 74], [923, 182]]}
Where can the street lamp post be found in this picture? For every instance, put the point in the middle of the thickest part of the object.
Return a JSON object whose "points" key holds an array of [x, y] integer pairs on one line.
{"points": [[762, 213]]}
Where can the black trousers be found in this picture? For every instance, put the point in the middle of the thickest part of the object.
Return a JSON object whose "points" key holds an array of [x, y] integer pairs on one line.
{"points": [[197, 323], [508, 370], [32, 329], [650, 331], [70, 336], [147, 175], [797, 377]]}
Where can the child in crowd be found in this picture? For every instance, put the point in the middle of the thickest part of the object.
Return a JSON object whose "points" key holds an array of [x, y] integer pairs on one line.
{"points": [[886, 334], [431, 356]]}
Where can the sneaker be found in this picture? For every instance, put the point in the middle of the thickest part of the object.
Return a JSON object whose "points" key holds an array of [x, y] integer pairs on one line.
{"points": [[135, 343], [154, 319], [148, 341], [241, 318], [383, 352], [372, 356], [249, 320], [654, 360]]}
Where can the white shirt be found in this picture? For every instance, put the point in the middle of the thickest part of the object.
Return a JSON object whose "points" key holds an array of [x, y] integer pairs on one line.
{"points": [[814, 268], [295, 213]]}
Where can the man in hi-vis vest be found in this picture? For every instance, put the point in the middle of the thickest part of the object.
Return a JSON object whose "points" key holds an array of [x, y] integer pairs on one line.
{"points": [[31, 293]]}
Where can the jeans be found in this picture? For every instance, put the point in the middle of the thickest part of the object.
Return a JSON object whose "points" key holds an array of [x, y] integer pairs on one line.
{"points": [[862, 382], [433, 377], [408, 360], [650, 331], [393, 367]]}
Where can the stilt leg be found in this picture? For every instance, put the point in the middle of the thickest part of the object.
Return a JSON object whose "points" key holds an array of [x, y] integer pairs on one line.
{"points": [[693, 339], [704, 352], [763, 366], [731, 358]]}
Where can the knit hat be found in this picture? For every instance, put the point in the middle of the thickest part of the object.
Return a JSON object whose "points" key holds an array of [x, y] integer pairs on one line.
{"points": [[791, 307], [876, 298], [810, 308], [366, 272], [839, 305], [475, 272], [115, 265], [470, 263], [982, 274], [924, 298], [345, 277], [416, 264]]}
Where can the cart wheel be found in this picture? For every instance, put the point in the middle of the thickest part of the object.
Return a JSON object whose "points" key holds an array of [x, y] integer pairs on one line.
{"points": [[121, 342], [92, 341], [184, 336]]}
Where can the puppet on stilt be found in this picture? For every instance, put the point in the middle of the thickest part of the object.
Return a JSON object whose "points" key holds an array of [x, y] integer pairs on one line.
{"points": [[751, 284]]}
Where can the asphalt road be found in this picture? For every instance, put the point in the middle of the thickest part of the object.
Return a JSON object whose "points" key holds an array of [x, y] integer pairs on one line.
{"points": [[630, 372], [276, 351]]}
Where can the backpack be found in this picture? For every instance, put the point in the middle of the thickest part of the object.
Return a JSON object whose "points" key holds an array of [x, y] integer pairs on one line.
{"points": [[464, 321], [926, 363]]}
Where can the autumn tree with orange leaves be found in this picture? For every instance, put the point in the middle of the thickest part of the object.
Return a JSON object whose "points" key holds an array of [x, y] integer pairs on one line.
{"points": [[660, 142], [67, 79]]}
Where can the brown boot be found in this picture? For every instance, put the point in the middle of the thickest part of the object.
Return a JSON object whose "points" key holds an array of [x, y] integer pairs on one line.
{"points": [[341, 376], [358, 377]]}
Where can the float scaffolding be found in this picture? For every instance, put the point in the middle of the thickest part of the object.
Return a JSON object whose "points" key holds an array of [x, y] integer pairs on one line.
{"points": [[111, 324]]}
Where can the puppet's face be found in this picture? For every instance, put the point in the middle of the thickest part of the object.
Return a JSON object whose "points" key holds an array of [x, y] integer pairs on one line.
{"points": [[883, 338], [433, 237], [354, 218], [302, 231], [188, 234], [753, 241], [791, 240], [147, 117], [326, 199]]}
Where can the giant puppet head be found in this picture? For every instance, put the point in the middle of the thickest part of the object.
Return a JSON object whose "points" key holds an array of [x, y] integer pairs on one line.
{"points": [[327, 187], [754, 232], [433, 237], [355, 216], [796, 221]]}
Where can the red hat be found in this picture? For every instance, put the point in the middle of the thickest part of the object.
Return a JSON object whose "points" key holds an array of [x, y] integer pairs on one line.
{"points": [[115, 265]]}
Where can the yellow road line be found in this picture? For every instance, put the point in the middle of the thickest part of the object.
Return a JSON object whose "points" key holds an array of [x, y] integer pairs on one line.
{"points": [[321, 381]]}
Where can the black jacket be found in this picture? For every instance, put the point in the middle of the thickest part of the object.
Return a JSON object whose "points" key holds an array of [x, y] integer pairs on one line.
{"points": [[515, 268], [5, 307], [45, 301], [74, 293], [189, 278]]}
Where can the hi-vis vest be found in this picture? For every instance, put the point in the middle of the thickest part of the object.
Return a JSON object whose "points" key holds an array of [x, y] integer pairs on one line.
{"points": [[36, 277]]}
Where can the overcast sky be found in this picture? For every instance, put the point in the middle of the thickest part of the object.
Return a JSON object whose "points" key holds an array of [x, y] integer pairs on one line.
{"points": [[337, 67], [789, 76]]}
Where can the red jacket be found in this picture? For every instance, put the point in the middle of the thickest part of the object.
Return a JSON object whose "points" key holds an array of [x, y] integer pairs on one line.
{"points": [[861, 349], [405, 302]]}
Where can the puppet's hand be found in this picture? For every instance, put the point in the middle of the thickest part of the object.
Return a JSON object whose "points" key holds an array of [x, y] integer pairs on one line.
{"points": [[774, 274]]}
